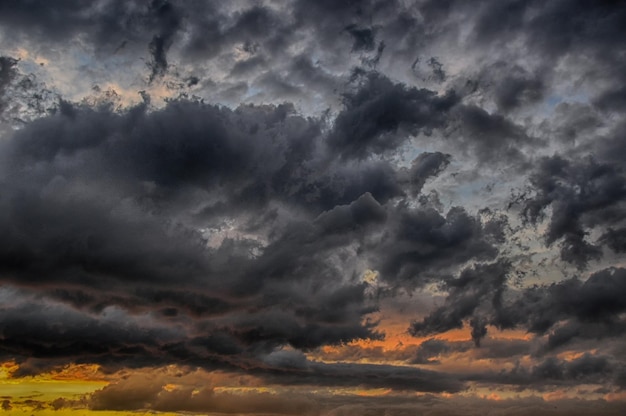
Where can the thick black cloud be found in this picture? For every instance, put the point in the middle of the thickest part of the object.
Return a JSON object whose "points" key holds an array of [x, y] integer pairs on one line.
{"points": [[108, 207], [574, 123], [44, 335], [576, 27], [583, 194], [379, 110], [133, 210], [423, 245], [8, 73], [482, 284], [552, 371], [369, 375], [33, 335], [223, 234], [46, 16], [425, 166], [512, 87], [168, 23], [565, 311], [359, 213], [598, 300], [364, 38], [492, 138], [429, 350]]}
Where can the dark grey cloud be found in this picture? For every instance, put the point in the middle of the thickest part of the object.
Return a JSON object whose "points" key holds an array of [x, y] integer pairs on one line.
{"points": [[565, 311], [429, 350], [595, 300], [612, 100], [372, 376], [615, 239], [111, 25], [433, 350], [54, 20], [493, 138], [574, 123], [580, 332], [553, 29], [378, 117], [513, 87], [552, 371], [168, 23], [364, 38], [44, 336], [149, 394], [202, 30], [8, 72], [424, 245], [359, 213], [41, 336], [583, 194], [389, 141], [130, 210], [198, 29], [426, 165], [32, 332], [110, 210], [476, 286]]}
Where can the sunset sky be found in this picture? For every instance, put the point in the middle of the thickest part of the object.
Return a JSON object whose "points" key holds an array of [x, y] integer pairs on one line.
{"points": [[319, 208]]}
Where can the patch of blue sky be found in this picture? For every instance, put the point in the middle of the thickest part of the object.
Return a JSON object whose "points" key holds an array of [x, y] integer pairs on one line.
{"points": [[81, 57], [410, 150], [251, 93], [552, 101], [29, 66]]}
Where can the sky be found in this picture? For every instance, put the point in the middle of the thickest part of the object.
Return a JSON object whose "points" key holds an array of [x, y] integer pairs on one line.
{"points": [[319, 208]]}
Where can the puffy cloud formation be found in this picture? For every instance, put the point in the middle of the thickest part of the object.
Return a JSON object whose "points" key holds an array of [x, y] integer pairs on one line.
{"points": [[355, 198]]}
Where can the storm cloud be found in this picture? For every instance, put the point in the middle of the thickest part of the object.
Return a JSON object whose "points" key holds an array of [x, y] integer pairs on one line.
{"points": [[355, 198]]}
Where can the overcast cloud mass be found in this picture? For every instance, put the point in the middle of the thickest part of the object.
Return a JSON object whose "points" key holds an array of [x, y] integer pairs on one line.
{"points": [[315, 208]]}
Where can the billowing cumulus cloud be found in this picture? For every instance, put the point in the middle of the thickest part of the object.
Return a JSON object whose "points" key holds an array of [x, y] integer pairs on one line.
{"points": [[316, 208]]}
